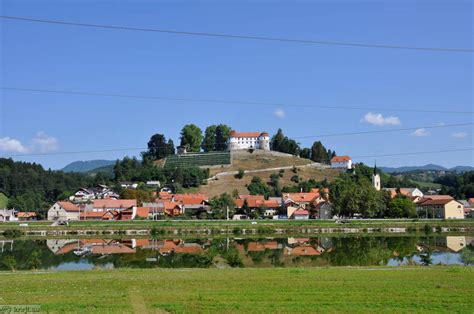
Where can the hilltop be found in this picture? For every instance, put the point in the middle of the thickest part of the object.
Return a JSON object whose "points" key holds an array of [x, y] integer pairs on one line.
{"points": [[87, 165], [262, 164]]}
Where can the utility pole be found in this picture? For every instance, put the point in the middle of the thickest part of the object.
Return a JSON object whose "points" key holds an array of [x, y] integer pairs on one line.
{"points": [[227, 213]]}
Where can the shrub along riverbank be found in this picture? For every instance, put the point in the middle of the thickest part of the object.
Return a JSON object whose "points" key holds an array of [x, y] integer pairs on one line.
{"points": [[334, 289], [206, 227]]}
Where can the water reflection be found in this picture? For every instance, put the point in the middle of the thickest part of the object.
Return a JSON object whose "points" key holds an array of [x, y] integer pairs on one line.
{"points": [[234, 252]]}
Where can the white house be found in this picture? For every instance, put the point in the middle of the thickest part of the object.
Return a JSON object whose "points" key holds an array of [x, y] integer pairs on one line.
{"points": [[248, 140], [341, 162], [8, 215], [64, 211]]}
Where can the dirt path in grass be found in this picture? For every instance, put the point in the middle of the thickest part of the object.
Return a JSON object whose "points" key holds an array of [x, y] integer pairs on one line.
{"points": [[138, 303]]}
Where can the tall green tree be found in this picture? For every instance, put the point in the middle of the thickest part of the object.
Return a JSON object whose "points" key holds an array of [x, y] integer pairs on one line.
{"points": [[209, 142], [191, 137], [319, 153], [158, 147], [222, 136], [277, 140]]}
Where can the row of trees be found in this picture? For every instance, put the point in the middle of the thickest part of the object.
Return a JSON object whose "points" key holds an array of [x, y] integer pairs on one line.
{"points": [[214, 139], [317, 152], [353, 194]]}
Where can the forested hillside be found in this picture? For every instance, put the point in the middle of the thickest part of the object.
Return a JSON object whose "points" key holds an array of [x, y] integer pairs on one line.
{"points": [[29, 186]]}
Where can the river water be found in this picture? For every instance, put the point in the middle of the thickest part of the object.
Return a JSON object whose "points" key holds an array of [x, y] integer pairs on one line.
{"points": [[84, 254]]}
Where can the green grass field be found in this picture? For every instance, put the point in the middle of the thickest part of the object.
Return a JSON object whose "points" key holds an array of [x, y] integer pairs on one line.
{"points": [[416, 289], [3, 200]]}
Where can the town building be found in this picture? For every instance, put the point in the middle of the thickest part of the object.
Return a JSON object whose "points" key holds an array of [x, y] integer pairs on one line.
{"points": [[441, 206], [341, 162], [64, 211], [412, 193], [8, 215], [105, 205], [248, 140]]}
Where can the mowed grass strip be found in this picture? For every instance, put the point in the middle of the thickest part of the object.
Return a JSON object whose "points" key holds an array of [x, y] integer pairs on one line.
{"points": [[430, 289]]}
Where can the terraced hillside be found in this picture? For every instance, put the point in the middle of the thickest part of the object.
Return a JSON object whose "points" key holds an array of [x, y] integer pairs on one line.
{"points": [[199, 159], [257, 164]]}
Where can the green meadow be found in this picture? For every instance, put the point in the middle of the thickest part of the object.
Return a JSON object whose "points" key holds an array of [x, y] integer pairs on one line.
{"points": [[334, 289]]}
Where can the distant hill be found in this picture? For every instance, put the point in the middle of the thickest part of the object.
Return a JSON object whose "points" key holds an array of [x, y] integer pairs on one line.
{"points": [[108, 170], [86, 166], [425, 168]]}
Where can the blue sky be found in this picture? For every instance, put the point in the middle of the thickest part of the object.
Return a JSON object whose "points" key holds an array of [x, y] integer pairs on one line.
{"points": [[42, 56]]}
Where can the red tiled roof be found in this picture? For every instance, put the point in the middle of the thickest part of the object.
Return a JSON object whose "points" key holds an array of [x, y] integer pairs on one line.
{"points": [[257, 246], [68, 206], [247, 134], [301, 212], [92, 214], [143, 212], [441, 201], [26, 214], [301, 197], [344, 158], [112, 249], [254, 203], [190, 199], [112, 203], [303, 251]]}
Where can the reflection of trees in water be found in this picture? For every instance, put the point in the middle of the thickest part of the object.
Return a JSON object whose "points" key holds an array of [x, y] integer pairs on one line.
{"points": [[467, 256], [363, 251], [28, 254]]}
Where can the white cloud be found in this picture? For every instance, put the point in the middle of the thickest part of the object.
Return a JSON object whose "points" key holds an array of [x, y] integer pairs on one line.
{"points": [[441, 124], [45, 143], [380, 120], [459, 135], [12, 145], [421, 132], [280, 113]]}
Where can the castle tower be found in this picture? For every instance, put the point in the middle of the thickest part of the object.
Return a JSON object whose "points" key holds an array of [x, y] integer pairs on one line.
{"points": [[264, 141], [376, 179]]}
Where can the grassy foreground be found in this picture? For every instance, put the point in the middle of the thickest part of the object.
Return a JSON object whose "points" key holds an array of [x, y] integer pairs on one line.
{"points": [[417, 289]]}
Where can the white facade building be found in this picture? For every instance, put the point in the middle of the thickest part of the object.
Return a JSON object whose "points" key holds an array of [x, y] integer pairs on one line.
{"points": [[341, 162], [248, 140]]}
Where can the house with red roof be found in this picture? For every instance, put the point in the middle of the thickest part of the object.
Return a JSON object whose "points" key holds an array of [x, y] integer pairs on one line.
{"points": [[300, 214], [341, 162], [248, 140], [64, 211], [440, 206], [105, 205], [25, 216]]}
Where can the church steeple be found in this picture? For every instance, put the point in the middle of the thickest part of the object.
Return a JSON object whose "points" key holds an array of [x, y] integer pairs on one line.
{"points": [[376, 178]]}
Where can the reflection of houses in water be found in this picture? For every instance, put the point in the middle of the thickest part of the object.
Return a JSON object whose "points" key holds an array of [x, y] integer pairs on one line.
{"points": [[6, 246], [92, 246], [445, 244], [302, 247], [455, 243]]}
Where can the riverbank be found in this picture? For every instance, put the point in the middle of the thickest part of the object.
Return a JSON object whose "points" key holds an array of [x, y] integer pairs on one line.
{"points": [[224, 227], [333, 289]]}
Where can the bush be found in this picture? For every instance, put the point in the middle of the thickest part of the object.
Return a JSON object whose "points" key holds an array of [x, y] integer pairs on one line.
{"points": [[295, 178], [240, 174]]}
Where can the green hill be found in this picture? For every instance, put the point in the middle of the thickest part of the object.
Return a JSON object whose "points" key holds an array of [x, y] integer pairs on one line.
{"points": [[3, 200]]}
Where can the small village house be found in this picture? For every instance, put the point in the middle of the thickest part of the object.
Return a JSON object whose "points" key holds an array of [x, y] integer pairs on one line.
{"points": [[341, 162], [26, 216], [8, 215], [64, 211]]}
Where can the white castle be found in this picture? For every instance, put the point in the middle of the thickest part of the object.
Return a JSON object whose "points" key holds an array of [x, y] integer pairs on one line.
{"points": [[248, 140]]}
